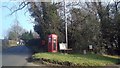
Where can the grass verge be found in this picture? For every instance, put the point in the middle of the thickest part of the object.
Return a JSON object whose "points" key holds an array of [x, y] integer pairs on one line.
{"points": [[82, 60]]}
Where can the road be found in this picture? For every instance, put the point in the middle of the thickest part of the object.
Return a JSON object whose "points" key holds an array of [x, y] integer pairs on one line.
{"points": [[17, 56]]}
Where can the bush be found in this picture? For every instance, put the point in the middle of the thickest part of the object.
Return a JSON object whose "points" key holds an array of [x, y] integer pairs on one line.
{"points": [[36, 45]]}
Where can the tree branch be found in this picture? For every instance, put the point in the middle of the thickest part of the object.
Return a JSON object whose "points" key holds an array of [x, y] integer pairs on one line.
{"points": [[20, 8], [7, 7]]}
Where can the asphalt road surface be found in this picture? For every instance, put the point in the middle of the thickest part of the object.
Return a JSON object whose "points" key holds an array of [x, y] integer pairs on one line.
{"points": [[17, 56]]}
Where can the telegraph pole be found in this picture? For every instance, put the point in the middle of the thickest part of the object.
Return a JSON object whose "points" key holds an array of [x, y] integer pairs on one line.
{"points": [[65, 19]]}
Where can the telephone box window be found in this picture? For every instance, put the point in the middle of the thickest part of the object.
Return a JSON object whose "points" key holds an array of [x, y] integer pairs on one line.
{"points": [[49, 40], [54, 44]]}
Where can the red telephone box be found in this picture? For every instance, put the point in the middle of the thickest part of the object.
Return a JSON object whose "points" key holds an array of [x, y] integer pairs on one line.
{"points": [[52, 43]]}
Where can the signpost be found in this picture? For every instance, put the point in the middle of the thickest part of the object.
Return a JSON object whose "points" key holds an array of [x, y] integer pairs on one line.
{"points": [[62, 46]]}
